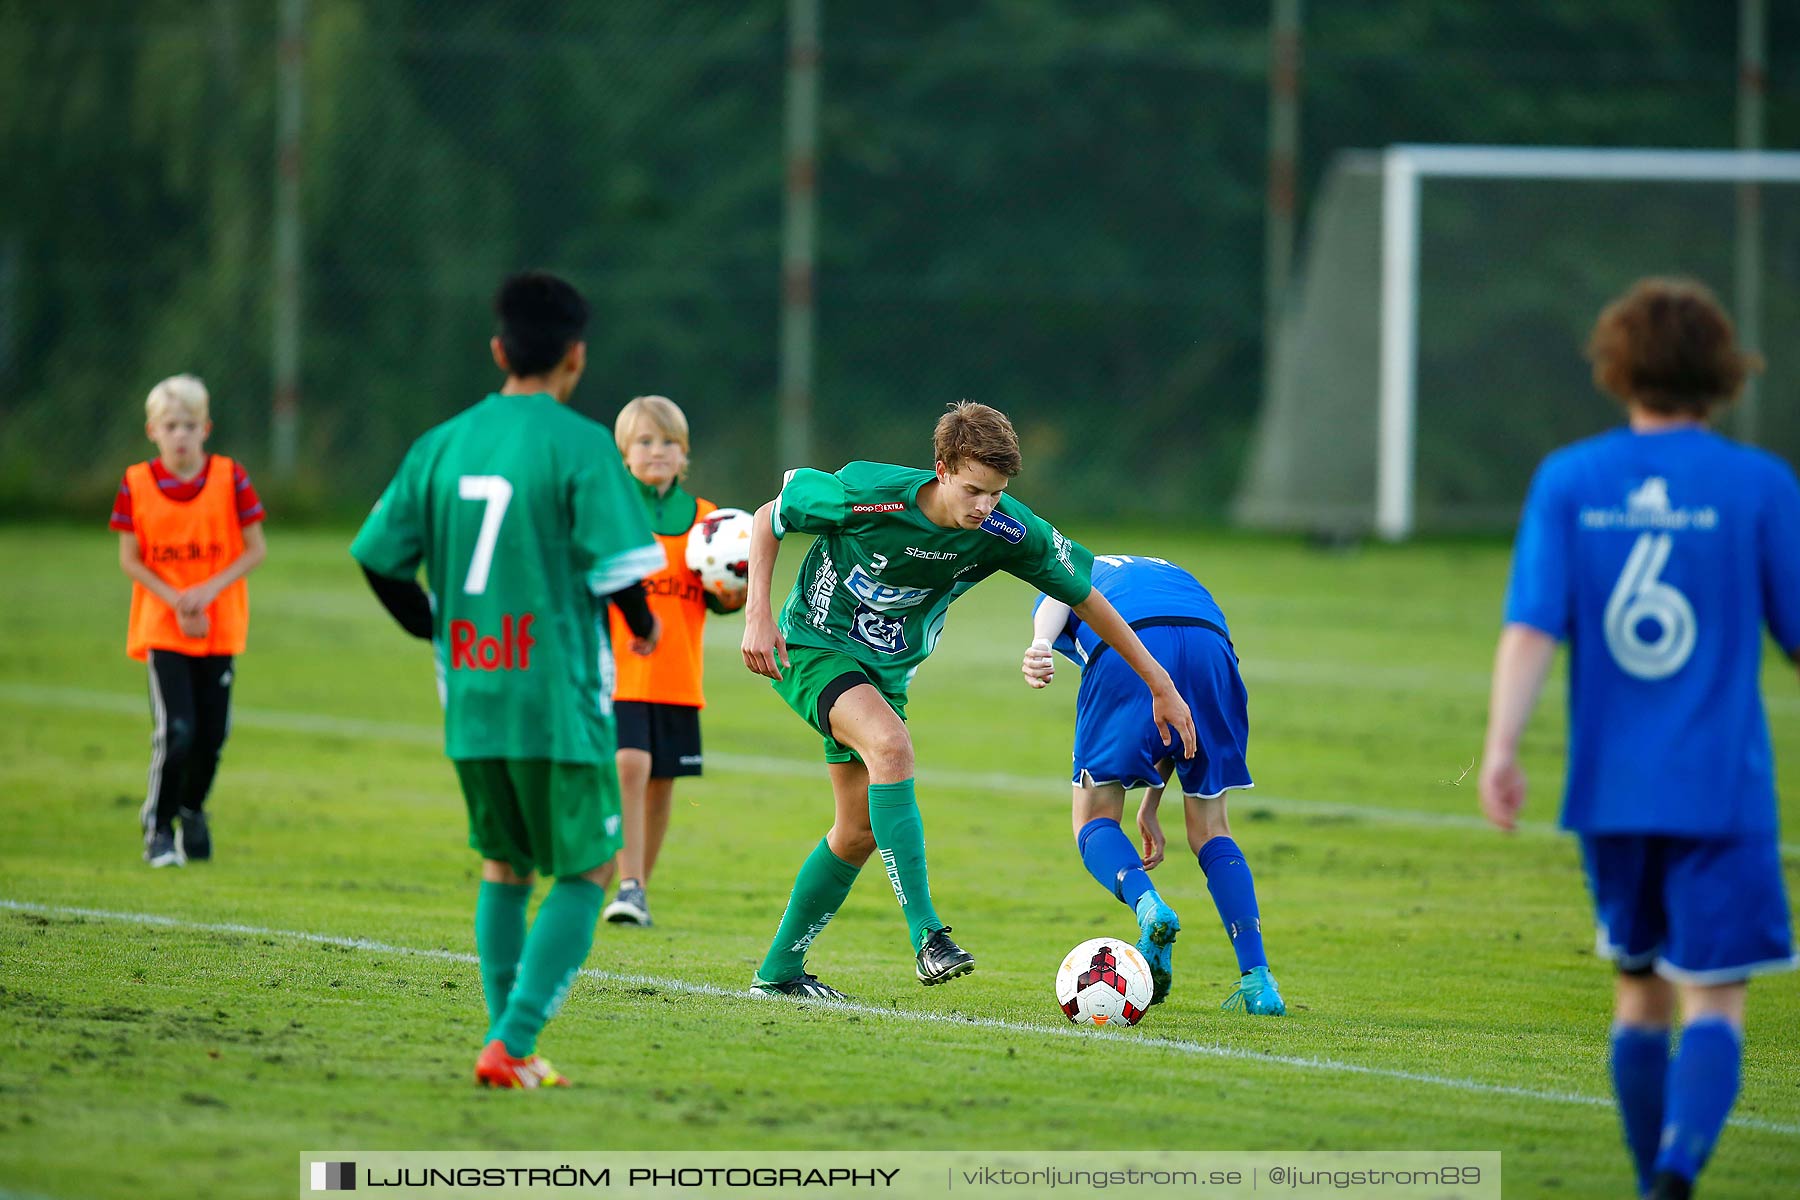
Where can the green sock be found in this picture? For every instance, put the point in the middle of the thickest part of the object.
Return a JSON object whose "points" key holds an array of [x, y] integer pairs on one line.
{"points": [[819, 889], [900, 836], [499, 940], [559, 941]]}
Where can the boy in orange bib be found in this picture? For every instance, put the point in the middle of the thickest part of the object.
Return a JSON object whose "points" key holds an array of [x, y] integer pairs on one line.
{"points": [[657, 698], [190, 529]]}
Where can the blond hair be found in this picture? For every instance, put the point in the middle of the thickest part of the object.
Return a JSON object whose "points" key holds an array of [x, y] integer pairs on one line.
{"points": [[185, 392], [660, 413]]}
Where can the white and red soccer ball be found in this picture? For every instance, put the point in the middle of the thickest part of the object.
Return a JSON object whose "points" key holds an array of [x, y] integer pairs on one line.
{"points": [[718, 550], [1104, 982]]}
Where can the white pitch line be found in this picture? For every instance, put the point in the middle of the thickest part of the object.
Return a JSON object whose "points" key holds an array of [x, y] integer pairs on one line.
{"points": [[412, 734], [1175, 1045]]}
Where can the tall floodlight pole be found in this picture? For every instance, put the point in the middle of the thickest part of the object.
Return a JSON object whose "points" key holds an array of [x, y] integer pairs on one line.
{"points": [[1279, 200], [284, 423], [1753, 27], [794, 439]]}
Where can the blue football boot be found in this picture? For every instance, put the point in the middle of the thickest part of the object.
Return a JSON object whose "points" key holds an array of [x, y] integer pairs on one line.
{"points": [[1257, 995], [1157, 927]]}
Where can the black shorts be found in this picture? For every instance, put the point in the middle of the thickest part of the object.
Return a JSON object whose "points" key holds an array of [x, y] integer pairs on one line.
{"points": [[670, 732]]}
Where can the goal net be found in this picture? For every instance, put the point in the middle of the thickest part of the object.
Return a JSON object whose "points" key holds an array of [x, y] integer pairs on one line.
{"points": [[1433, 353]]}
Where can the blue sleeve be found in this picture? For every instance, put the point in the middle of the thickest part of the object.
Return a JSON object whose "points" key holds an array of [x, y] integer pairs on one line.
{"points": [[1543, 569], [1778, 545]]}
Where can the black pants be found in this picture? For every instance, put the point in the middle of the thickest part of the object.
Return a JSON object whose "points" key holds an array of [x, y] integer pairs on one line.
{"points": [[190, 702]]}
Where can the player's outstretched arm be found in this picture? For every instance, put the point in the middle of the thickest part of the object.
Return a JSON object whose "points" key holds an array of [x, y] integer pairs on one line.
{"points": [[1521, 662], [765, 650], [1039, 667], [1167, 706]]}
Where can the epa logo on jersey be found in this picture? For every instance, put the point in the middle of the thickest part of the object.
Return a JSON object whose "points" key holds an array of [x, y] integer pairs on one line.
{"points": [[881, 633], [878, 595]]}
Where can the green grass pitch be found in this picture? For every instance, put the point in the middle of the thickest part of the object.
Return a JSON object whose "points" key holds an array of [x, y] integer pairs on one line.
{"points": [[1443, 988]]}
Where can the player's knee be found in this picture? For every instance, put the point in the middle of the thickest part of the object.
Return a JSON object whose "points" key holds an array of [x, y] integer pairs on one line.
{"points": [[1643, 997], [854, 846], [889, 756], [633, 767], [177, 740], [494, 870], [1207, 820], [600, 876]]}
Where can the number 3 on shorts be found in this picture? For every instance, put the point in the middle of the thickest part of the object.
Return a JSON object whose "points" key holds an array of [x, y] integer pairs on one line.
{"points": [[498, 494], [1640, 596]]}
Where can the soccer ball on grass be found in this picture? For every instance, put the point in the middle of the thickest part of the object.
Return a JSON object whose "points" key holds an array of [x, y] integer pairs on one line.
{"points": [[1104, 982]]}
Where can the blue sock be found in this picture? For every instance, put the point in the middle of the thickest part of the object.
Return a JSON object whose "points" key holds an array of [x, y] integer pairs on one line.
{"points": [[1110, 858], [1703, 1084], [1640, 1064], [1234, 895]]}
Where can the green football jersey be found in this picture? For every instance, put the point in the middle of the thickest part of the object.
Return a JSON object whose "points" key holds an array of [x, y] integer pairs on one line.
{"points": [[525, 520], [880, 578]]}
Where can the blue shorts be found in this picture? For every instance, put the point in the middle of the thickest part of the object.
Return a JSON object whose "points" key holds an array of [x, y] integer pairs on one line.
{"points": [[1115, 736], [1698, 910]]}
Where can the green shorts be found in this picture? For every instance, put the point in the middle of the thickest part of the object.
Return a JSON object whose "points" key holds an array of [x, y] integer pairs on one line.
{"points": [[538, 816], [812, 684]]}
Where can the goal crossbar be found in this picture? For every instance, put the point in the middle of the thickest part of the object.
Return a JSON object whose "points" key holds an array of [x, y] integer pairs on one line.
{"points": [[1404, 168]]}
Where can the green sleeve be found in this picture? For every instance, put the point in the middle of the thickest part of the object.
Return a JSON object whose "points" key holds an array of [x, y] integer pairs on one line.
{"points": [[811, 502], [1055, 564], [609, 527], [391, 541]]}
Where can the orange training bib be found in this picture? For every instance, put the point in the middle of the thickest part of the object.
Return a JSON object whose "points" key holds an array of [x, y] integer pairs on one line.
{"points": [[185, 543], [672, 674]]}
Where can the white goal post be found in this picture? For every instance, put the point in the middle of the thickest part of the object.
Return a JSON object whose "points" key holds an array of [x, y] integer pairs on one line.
{"points": [[1404, 168]]}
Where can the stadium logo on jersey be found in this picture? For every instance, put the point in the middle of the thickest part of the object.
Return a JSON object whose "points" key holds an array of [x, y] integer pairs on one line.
{"points": [[878, 631], [878, 595], [931, 555], [688, 589], [1003, 526], [1647, 506], [470, 651], [891, 506], [169, 553]]}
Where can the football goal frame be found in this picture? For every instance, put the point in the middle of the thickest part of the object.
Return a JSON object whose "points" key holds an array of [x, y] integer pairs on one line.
{"points": [[1406, 167]]}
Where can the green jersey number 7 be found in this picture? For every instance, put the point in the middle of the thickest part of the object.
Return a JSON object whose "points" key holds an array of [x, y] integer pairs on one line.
{"points": [[497, 494]]}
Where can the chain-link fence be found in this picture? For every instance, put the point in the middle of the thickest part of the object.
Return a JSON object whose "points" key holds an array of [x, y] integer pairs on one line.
{"points": [[1512, 273], [1044, 205]]}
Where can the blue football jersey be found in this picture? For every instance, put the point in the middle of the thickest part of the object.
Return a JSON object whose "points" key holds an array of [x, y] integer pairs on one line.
{"points": [[1660, 557], [1140, 589]]}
